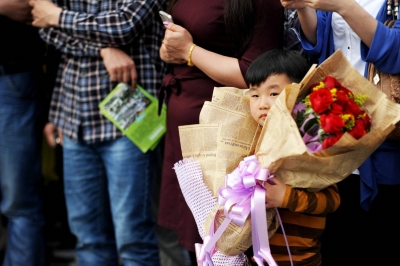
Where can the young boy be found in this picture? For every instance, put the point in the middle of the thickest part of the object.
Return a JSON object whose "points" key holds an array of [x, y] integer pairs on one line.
{"points": [[303, 213]]}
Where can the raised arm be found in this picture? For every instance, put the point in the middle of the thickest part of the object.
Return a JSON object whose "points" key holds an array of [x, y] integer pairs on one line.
{"points": [[362, 23], [307, 17], [379, 44]]}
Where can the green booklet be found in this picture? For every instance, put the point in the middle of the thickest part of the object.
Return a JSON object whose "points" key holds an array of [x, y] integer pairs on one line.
{"points": [[134, 112]]}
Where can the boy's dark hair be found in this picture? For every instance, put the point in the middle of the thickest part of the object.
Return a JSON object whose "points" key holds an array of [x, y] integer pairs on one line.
{"points": [[278, 61]]}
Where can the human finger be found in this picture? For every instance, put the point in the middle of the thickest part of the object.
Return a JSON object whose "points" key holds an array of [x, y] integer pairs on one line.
{"points": [[172, 26], [126, 74], [119, 75], [31, 3], [275, 181], [133, 78], [163, 53], [113, 74], [48, 132]]}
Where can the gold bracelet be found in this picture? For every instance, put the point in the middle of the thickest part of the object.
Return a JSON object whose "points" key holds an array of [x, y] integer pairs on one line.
{"points": [[189, 60]]}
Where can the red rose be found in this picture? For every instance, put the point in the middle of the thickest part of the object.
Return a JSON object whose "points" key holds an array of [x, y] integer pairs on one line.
{"points": [[342, 97], [365, 119], [329, 141], [358, 130], [329, 82], [340, 87], [331, 123], [320, 100], [352, 108], [336, 108], [344, 90]]}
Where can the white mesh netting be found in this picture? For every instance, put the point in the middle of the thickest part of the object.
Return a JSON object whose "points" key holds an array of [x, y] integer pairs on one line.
{"points": [[201, 201]]}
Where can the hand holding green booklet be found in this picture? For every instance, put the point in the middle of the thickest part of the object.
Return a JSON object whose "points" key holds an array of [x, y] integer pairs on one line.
{"points": [[134, 112]]}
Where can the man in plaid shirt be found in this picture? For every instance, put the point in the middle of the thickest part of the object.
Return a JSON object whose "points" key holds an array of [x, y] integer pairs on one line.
{"points": [[108, 180]]}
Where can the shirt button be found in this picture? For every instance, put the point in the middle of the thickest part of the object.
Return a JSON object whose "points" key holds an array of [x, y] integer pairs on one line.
{"points": [[83, 73]]}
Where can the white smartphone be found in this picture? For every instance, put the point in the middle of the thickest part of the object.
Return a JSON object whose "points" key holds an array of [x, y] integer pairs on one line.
{"points": [[165, 16]]}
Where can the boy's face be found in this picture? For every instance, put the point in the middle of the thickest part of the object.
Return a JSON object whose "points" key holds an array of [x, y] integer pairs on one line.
{"points": [[264, 96]]}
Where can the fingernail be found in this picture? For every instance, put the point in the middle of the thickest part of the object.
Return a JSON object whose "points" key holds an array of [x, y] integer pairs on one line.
{"points": [[166, 23]]}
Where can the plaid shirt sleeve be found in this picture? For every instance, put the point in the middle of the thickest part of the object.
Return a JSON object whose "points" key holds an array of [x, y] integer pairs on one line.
{"points": [[112, 28], [69, 45]]}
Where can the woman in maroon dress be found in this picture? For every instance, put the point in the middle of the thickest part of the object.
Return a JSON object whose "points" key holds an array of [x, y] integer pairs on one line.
{"points": [[228, 35]]}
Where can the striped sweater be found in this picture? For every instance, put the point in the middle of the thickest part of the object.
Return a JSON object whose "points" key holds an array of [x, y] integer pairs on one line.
{"points": [[303, 216]]}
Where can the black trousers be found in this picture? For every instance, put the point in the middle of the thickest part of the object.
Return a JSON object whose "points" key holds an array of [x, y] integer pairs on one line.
{"points": [[357, 237]]}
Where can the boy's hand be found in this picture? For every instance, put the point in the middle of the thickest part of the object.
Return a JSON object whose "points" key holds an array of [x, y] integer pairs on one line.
{"points": [[275, 193]]}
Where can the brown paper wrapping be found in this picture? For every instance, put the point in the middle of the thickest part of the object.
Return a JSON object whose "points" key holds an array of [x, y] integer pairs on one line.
{"points": [[280, 147]]}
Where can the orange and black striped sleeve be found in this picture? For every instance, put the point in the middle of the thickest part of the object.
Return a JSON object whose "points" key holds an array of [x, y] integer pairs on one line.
{"points": [[302, 201]]}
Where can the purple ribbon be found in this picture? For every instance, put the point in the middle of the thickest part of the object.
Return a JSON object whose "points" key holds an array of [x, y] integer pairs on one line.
{"points": [[312, 143], [241, 196], [310, 116], [299, 107]]}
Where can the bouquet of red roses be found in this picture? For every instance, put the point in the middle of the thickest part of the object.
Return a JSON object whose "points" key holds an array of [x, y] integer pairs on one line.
{"points": [[341, 119], [328, 112]]}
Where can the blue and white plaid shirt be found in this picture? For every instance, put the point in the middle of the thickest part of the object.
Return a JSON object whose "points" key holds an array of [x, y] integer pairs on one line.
{"points": [[82, 82]]}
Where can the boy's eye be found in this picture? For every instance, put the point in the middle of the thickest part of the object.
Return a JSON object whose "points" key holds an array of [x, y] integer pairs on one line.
{"points": [[254, 96], [274, 94]]}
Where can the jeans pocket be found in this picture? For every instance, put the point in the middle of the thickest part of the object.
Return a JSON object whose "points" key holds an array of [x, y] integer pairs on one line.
{"points": [[21, 85]]}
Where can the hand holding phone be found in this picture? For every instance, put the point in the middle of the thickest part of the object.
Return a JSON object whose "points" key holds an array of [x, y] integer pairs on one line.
{"points": [[165, 16]]}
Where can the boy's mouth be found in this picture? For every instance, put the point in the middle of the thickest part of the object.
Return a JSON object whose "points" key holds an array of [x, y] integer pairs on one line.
{"points": [[263, 115]]}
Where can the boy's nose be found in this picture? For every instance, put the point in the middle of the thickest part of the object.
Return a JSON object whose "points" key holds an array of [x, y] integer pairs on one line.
{"points": [[265, 104]]}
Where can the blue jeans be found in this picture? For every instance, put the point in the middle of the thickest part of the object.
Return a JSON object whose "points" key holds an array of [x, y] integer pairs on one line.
{"points": [[108, 190], [20, 172]]}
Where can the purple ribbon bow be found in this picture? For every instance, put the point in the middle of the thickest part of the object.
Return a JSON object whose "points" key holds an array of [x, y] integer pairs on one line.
{"points": [[241, 196]]}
